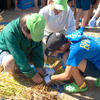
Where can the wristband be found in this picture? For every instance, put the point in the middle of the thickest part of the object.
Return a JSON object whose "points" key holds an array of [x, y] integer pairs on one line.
{"points": [[32, 66]]}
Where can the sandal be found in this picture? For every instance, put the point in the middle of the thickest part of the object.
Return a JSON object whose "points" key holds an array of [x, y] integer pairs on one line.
{"points": [[74, 88], [97, 83]]}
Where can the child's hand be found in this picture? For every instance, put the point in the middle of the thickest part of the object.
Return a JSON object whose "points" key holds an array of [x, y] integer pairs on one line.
{"points": [[49, 71], [37, 78], [47, 79]]}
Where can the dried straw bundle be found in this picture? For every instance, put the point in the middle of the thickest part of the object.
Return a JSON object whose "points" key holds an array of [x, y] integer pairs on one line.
{"points": [[17, 86], [1, 26]]}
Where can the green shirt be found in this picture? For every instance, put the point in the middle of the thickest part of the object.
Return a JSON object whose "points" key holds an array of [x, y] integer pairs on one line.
{"points": [[13, 41]]}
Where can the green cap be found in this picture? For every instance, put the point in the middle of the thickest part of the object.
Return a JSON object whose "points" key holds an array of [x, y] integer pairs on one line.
{"points": [[60, 4], [36, 24]]}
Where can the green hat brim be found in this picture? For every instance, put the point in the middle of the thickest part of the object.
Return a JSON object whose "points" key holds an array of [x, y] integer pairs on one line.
{"points": [[37, 37], [36, 24], [60, 7]]}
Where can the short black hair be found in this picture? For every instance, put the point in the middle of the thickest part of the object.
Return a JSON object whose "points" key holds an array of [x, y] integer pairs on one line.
{"points": [[54, 42]]}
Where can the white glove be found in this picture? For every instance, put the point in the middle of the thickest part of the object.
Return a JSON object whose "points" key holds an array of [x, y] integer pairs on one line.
{"points": [[49, 71], [98, 22], [47, 79], [92, 22]]}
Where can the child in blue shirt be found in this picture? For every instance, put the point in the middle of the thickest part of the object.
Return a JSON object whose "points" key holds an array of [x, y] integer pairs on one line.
{"points": [[82, 58]]}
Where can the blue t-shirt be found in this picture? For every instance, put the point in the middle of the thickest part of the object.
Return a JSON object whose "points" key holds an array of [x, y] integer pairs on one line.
{"points": [[87, 48]]}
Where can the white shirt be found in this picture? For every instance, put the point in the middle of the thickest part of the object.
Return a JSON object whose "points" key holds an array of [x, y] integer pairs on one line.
{"points": [[58, 23]]}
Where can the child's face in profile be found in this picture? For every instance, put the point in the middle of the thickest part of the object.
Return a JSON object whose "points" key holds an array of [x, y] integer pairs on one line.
{"points": [[28, 36], [56, 11], [62, 49]]}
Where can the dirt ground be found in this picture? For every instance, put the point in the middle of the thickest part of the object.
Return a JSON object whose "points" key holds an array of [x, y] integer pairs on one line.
{"points": [[93, 93]]}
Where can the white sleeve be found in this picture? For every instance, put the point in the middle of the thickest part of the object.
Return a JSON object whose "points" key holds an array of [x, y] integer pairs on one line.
{"points": [[70, 23], [44, 12]]}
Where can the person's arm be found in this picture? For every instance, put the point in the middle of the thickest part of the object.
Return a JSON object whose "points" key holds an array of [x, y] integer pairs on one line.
{"points": [[37, 55], [70, 22], [44, 12], [19, 56], [64, 76]]}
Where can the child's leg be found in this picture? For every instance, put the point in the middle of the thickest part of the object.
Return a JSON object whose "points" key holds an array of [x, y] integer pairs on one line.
{"points": [[8, 63]]}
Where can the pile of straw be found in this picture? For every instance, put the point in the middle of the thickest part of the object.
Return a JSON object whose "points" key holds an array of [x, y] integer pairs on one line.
{"points": [[17, 86], [1, 26]]}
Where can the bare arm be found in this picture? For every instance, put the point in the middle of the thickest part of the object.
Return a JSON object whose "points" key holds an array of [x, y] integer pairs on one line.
{"points": [[64, 76]]}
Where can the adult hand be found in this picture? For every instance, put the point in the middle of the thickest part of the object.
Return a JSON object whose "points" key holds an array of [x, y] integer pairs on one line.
{"points": [[37, 78], [65, 56]]}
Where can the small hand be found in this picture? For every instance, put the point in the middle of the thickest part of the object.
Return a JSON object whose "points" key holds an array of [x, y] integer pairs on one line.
{"points": [[49, 71], [37, 78], [40, 70], [47, 79]]}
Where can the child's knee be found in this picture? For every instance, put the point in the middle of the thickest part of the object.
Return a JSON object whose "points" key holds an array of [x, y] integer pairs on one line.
{"points": [[8, 63]]}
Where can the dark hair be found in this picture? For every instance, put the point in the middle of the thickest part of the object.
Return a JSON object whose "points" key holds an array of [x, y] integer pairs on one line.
{"points": [[22, 22]]}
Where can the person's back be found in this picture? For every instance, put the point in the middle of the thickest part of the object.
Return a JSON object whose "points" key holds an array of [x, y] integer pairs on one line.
{"points": [[87, 48]]}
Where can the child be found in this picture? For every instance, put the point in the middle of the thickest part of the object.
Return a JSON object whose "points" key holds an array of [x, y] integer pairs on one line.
{"points": [[82, 58]]}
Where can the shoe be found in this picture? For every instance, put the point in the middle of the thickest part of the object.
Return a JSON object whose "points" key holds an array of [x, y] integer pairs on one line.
{"points": [[97, 83], [74, 88]]}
